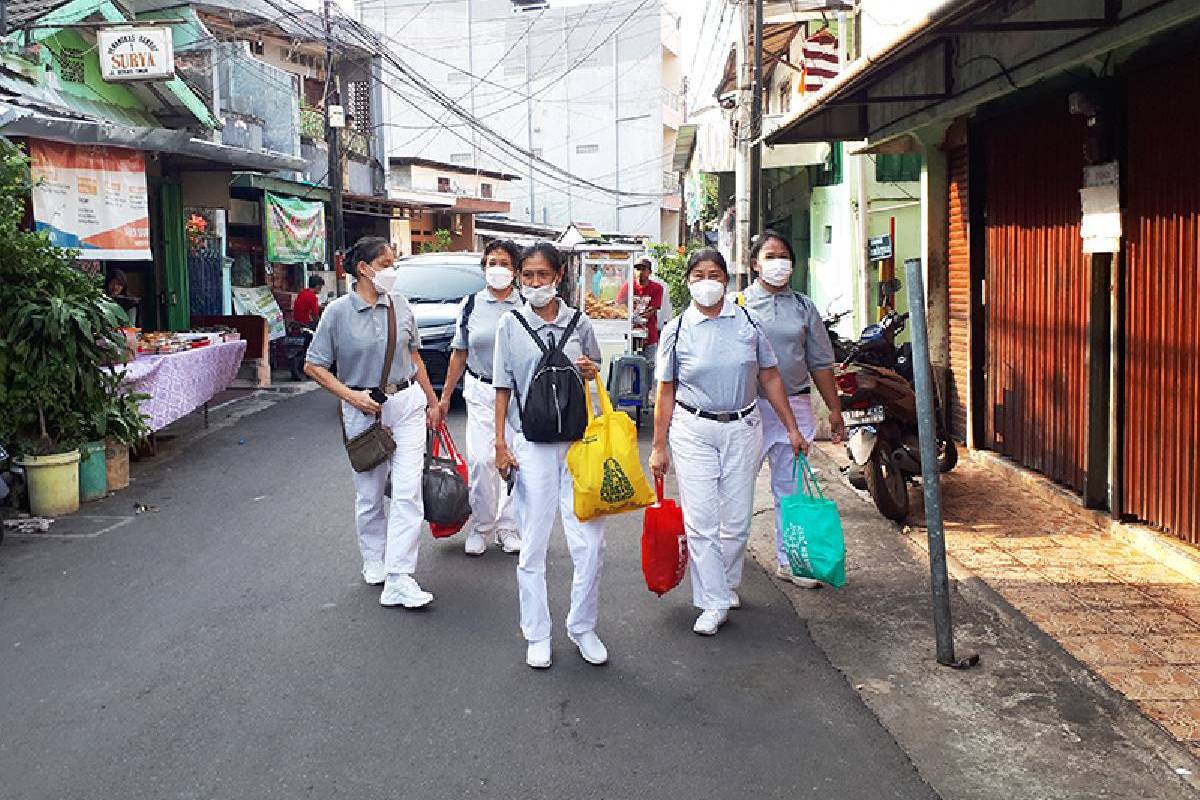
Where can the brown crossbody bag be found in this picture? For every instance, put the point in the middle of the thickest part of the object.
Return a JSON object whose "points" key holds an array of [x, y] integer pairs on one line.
{"points": [[376, 444]]}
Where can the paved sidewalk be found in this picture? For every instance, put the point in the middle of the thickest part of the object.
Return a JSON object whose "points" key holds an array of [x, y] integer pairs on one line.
{"points": [[1029, 721], [1133, 621]]}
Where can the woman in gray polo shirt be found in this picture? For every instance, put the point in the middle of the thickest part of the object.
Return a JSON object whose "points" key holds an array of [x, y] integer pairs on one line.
{"points": [[474, 341], [544, 486], [797, 334], [712, 361], [353, 332]]}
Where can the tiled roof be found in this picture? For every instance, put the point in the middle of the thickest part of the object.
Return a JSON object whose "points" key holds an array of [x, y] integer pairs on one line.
{"points": [[23, 12]]}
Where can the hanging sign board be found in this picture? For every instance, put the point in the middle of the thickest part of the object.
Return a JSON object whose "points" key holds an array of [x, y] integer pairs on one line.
{"points": [[295, 230], [1100, 199], [135, 54], [258, 301], [880, 247], [91, 199]]}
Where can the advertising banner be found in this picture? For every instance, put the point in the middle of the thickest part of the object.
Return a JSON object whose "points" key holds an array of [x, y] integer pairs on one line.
{"points": [[92, 199], [295, 230], [258, 301]]}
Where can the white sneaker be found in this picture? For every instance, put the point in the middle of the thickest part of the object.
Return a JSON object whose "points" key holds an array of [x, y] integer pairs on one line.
{"points": [[510, 541], [590, 647], [734, 600], [476, 544], [374, 573], [403, 590], [709, 621], [785, 574], [537, 654]]}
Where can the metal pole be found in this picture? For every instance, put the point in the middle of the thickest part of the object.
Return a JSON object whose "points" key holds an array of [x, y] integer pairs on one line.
{"points": [[756, 120], [616, 131], [930, 478], [529, 128], [333, 142]]}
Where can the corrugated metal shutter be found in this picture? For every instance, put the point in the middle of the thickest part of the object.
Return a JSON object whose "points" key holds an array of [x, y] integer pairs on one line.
{"points": [[959, 285], [1162, 316], [1037, 291]]}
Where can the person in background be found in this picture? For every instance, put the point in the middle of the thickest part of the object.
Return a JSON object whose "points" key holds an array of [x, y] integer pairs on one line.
{"points": [[117, 284], [472, 352], [353, 331], [643, 287], [797, 335], [543, 483], [713, 359], [308, 304]]}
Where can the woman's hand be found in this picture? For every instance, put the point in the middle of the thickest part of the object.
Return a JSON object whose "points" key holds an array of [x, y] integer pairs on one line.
{"points": [[363, 402], [433, 414], [798, 442], [587, 368], [505, 460], [659, 461], [444, 405]]}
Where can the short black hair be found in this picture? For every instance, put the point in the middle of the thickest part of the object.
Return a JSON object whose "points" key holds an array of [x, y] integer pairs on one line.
{"points": [[507, 245], [315, 281], [643, 262], [366, 249], [547, 250], [760, 241], [117, 275], [706, 254]]}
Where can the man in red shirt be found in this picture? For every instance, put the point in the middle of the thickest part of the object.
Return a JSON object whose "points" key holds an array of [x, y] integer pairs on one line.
{"points": [[653, 292], [307, 305]]}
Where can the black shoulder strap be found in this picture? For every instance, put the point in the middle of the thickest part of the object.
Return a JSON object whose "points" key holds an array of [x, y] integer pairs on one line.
{"points": [[468, 307], [749, 318], [570, 329], [524, 324]]}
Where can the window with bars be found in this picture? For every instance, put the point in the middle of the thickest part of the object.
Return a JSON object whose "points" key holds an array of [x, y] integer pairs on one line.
{"points": [[585, 149], [485, 191], [71, 66], [360, 107]]}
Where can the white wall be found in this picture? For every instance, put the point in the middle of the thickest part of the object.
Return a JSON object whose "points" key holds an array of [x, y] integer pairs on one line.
{"points": [[573, 119]]}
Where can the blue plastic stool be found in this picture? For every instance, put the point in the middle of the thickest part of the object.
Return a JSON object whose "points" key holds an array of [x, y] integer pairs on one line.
{"points": [[629, 383]]}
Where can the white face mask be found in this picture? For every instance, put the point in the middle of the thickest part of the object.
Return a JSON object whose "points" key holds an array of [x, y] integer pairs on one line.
{"points": [[540, 296], [707, 293], [775, 271], [385, 280], [498, 278]]}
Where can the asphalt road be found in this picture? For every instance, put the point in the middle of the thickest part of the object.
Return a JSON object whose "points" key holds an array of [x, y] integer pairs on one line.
{"points": [[224, 646]]}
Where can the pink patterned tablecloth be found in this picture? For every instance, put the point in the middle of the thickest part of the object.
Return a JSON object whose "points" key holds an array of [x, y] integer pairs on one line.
{"points": [[180, 383]]}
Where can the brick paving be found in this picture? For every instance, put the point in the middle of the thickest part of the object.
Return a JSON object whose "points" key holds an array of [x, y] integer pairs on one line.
{"points": [[1133, 621]]}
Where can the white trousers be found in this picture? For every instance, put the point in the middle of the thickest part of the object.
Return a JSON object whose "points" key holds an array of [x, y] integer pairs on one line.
{"points": [[715, 466], [392, 538], [777, 451], [544, 487], [491, 505]]}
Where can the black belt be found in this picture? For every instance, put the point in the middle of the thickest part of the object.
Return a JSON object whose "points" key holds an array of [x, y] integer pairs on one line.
{"points": [[478, 377], [390, 388], [724, 416]]}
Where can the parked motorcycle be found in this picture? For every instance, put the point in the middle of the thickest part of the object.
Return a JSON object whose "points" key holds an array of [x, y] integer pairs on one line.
{"points": [[841, 347], [875, 383], [289, 351]]}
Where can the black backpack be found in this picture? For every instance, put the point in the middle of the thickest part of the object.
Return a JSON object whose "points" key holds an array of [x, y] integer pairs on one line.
{"points": [[554, 409]]}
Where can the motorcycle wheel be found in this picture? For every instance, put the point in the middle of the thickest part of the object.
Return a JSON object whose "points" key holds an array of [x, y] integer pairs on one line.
{"points": [[887, 485], [947, 456]]}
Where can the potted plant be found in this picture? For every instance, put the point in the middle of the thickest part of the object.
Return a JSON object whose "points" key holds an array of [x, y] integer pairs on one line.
{"points": [[58, 334], [125, 427]]}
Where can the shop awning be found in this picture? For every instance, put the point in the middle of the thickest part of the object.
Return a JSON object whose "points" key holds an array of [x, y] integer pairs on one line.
{"points": [[282, 186], [964, 53], [685, 146], [17, 120], [777, 42]]}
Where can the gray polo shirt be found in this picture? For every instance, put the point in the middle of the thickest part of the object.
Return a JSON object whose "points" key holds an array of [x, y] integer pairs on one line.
{"points": [[354, 334], [796, 331], [714, 361], [480, 341], [517, 355]]}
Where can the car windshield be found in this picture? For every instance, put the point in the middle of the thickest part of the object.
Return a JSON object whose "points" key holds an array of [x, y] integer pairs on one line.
{"points": [[437, 283]]}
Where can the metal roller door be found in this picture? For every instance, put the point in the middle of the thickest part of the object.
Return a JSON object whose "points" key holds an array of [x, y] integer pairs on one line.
{"points": [[959, 286]]}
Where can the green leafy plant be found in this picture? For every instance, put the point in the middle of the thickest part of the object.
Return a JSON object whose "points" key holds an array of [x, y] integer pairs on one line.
{"points": [[442, 241], [671, 266], [58, 331]]}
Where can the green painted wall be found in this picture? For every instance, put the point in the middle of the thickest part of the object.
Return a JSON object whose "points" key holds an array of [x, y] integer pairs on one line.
{"points": [[68, 45], [174, 256], [907, 245]]}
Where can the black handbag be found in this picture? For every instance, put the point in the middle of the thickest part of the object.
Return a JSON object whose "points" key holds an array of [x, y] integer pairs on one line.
{"points": [[443, 488], [376, 444]]}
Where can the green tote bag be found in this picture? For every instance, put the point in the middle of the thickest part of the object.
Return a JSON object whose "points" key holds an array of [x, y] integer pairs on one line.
{"points": [[812, 530]]}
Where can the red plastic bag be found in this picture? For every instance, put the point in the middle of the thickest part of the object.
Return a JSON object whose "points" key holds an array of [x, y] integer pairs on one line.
{"points": [[664, 544], [460, 466]]}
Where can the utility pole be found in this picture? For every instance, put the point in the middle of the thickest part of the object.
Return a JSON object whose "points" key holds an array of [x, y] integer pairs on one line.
{"points": [[742, 173], [335, 120], [529, 127], [756, 125]]}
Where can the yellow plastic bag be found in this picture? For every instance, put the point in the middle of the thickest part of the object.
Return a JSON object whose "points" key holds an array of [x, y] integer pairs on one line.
{"points": [[605, 465]]}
